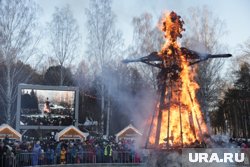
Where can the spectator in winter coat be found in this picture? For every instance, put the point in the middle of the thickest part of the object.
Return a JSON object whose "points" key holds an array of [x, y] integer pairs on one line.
{"points": [[99, 153], [108, 153], [36, 152], [63, 156], [50, 155], [71, 156], [58, 152]]}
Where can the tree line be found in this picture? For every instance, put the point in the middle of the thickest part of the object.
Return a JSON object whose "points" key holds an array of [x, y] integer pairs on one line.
{"points": [[232, 113]]}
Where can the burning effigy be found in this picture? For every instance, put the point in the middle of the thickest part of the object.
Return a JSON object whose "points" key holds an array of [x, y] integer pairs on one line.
{"points": [[178, 120]]}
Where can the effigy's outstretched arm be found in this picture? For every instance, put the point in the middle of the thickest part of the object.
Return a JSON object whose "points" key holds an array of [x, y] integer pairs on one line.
{"points": [[195, 57]]}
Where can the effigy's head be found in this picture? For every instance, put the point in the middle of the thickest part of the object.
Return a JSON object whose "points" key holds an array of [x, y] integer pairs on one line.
{"points": [[172, 26]]}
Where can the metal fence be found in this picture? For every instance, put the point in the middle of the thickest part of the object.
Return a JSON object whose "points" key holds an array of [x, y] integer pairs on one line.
{"points": [[8, 161], [31, 159]]}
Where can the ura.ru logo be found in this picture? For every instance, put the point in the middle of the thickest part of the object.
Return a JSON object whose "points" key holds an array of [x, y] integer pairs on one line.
{"points": [[214, 157]]}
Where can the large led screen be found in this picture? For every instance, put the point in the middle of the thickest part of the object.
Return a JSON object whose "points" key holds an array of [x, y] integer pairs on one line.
{"points": [[47, 106]]}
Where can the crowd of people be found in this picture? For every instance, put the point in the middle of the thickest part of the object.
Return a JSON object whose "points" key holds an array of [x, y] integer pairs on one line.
{"points": [[93, 150], [47, 121]]}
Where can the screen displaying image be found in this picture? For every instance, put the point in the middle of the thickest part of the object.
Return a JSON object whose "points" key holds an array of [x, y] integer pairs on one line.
{"points": [[47, 107]]}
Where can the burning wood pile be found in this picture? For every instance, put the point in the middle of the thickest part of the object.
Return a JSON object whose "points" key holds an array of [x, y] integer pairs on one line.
{"points": [[177, 120]]}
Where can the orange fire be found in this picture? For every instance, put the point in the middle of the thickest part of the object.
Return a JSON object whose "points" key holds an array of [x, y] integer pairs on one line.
{"points": [[182, 121]]}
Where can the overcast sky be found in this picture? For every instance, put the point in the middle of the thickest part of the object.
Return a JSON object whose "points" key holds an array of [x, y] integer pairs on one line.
{"points": [[235, 14]]}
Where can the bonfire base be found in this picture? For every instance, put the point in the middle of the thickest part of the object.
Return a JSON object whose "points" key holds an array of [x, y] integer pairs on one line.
{"points": [[164, 157]]}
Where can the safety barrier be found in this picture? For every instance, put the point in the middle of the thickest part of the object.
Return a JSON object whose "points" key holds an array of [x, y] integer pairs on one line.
{"points": [[31, 159], [8, 161]]}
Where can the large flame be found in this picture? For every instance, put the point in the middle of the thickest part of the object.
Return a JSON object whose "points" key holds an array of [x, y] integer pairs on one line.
{"points": [[185, 123]]}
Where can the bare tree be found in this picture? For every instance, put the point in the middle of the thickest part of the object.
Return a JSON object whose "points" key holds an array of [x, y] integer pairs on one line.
{"points": [[245, 49], [64, 37], [104, 42], [17, 23], [242, 57], [146, 39], [204, 33]]}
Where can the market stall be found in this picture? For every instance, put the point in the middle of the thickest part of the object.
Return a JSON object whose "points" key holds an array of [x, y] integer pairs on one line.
{"points": [[129, 132], [71, 133], [7, 132]]}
